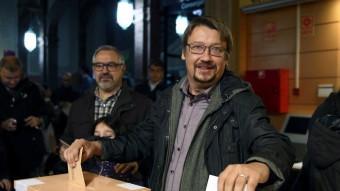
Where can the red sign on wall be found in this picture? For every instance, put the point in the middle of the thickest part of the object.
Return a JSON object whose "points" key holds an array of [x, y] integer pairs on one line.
{"points": [[307, 25], [270, 31]]}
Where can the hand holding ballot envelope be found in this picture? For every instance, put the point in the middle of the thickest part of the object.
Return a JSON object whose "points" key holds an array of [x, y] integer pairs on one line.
{"points": [[75, 174], [90, 148], [243, 177]]}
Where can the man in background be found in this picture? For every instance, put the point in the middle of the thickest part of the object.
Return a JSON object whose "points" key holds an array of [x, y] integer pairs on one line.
{"points": [[155, 81], [21, 117], [112, 97]]}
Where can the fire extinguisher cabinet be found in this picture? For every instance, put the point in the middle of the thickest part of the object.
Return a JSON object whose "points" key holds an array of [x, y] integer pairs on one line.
{"points": [[272, 87]]}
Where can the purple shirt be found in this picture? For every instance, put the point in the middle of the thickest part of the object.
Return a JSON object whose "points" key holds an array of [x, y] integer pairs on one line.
{"points": [[193, 108]]}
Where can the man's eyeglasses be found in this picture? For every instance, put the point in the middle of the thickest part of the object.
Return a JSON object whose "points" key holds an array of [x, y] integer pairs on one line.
{"points": [[110, 66], [213, 50]]}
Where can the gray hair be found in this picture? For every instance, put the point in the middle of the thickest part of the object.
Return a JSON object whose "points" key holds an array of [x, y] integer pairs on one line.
{"points": [[108, 48]]}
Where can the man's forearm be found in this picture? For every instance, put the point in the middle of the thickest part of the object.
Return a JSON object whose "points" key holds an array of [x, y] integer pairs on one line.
{"points": [[97, 148]]}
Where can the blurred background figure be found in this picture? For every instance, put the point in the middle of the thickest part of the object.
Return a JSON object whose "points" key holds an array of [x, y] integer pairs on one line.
{"points": [[83, 80], [321, 165], [61, 100], [22, 115], [65, 92], [155, 81]]}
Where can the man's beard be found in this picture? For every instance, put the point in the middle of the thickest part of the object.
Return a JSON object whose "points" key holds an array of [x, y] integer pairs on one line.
{"points": [[106, 85], [200, 80], [197, 79]]}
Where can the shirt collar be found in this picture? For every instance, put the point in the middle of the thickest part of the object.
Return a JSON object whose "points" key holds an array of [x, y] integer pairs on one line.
{"points": [[205, 94], [114, 96], [153, 85]]}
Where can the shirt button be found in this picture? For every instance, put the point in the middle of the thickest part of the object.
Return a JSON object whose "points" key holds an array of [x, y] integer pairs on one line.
{"points": [[178, 149], [185, 126], [171, 171]]}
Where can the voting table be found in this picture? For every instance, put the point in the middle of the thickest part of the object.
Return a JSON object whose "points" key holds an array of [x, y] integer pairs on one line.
{"points": [[93, 182]]}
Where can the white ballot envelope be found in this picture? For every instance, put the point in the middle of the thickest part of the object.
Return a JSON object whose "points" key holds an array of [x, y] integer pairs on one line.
{"points": [[75, 175], [212, 183]]}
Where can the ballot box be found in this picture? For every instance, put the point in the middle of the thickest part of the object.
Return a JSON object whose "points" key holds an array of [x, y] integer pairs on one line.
{"points": [[61, 182]]}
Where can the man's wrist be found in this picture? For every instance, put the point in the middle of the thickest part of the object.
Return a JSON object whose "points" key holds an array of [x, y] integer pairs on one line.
{"points": [[97, 146], [264, 170], [40, 121]]}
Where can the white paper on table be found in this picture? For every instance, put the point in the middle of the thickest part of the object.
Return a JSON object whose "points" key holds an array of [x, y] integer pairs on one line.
{"points": [[22, 185], [130, 186], [212, 183]]}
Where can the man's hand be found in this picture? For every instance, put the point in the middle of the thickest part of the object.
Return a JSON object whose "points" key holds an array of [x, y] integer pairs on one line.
{"points": [[6, 184], [127, 167], [33, 121], [90, 148], [9, 124], [243, 177]]}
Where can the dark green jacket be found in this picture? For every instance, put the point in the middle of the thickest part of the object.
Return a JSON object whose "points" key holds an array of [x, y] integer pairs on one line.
{"points": [[239, 132]]}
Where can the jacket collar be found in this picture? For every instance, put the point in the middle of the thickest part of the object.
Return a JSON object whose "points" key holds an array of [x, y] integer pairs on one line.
{"points": [[125, 96], [229, 85]]}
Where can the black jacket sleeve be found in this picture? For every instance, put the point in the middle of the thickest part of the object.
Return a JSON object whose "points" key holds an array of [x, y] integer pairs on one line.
{"points": [[262, 142], [330, 106], [135, 145], [138, 144]]}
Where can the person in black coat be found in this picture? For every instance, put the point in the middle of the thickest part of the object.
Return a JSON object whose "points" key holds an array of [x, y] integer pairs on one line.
{"points": [[155, 82], [321, 165], [331, 106], [22, 115], [111, 97]]}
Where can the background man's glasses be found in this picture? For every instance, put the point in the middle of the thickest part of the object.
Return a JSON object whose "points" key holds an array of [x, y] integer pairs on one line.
{"points": [[110, 66], [212, 50]]}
